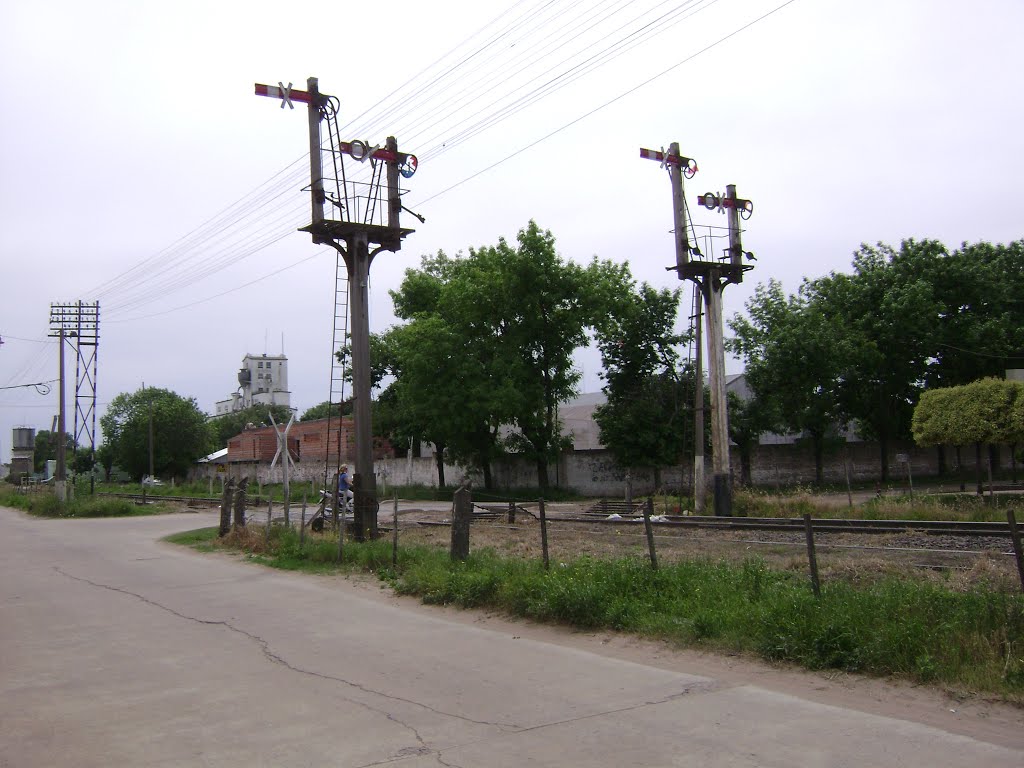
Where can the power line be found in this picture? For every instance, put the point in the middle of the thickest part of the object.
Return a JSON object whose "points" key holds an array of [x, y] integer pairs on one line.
{"points": [[250, 224], [608, 103], [222, 293], [35, 384]]}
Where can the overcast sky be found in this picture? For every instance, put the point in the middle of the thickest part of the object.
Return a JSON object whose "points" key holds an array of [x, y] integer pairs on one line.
{"points": [[137, 168]]}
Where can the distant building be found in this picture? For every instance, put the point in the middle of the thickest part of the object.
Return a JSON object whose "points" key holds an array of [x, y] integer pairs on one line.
{"points": [[262, 380], [313, 445], [23, 451]]}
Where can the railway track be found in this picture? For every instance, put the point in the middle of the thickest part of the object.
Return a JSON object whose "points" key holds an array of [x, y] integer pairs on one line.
{"points": [[794, 524], [823, 525], [191, 501]]}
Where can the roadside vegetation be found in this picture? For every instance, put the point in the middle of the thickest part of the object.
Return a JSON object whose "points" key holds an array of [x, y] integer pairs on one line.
{"points": [[969, 641], [45, 504]]}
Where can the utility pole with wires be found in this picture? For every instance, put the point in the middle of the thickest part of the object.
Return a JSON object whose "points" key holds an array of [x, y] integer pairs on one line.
{"points": [[77, 323], [365, 222], [711, 277]]}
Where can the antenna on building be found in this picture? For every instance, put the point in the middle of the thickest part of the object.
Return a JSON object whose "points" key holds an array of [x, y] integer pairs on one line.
{"points": [[282, 343]]}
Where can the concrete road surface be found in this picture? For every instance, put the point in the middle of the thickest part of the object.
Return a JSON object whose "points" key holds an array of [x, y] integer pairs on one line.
{"points": [[117, 650]]}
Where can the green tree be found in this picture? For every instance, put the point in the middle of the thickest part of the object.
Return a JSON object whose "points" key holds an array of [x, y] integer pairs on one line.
{"points": [[82, 460], [181, 432], [325, 409], [980, 324], [230, 424], [45, 449], [985, 412], [547, 307], [794, 356], [888, 314], [502, 323], [748, 420], [105, 458], [447, 386], [643, 421]]}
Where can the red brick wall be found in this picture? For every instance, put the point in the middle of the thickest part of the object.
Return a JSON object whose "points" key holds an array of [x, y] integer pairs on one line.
{"points": [[308, 441]]}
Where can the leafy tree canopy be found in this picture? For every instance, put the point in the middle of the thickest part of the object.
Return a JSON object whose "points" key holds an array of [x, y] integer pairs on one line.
{"points": [[230, 424], [181, 432], [793, 356], [492, 334], [323, 410], [45, 449], [986, 411], [649, 396]]}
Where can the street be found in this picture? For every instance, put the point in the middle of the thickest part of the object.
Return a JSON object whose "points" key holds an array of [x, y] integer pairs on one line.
{"points": [[119, 650]]}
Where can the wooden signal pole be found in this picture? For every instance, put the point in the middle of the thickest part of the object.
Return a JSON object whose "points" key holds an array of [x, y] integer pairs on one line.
{"points": [[711, 277], [357, 237]]}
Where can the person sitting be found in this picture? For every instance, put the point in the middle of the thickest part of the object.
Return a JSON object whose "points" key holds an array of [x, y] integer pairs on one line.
{"points": [[344, 485]]}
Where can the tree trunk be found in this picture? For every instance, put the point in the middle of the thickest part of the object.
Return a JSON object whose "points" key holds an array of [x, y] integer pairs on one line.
{"points": [[943, 469], [883, 445], [488, 480], [994, 457], [657, 479], [977, 468], [960, 468], [746, 477], [542, 473], [439, 461], [818, 441]]}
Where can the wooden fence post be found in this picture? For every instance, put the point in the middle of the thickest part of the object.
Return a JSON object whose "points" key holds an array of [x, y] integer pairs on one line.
{"points": [[302, 524], [462, 514], [394, 541], [243, 484], [811, 556], [270, 510], [225, 508], [1017, 549], [648, 509], [511, 513], [544, 535]]}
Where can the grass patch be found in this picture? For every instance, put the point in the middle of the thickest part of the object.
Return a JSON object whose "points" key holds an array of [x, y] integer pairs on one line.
{"points": [[754, 503], [968, 641], [202, 539], [45, 504]]}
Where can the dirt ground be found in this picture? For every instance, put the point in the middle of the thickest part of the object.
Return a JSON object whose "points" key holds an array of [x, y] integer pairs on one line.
{"points": [[857, 558]]}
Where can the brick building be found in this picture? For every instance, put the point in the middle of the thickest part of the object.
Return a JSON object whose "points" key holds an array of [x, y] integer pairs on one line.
{"points": [[311, 447]]}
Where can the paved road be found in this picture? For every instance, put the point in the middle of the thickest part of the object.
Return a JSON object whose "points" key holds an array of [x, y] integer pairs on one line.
{"points": [[117, 650]]}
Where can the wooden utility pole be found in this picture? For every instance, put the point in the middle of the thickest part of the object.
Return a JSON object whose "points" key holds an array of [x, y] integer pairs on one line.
{"points": [[60, 478], [711, 278], [712, 288], [364, 226], [152, 476], [698, 408]]}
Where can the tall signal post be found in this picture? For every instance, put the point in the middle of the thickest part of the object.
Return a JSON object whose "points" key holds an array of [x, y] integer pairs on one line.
{"points": [[364, 222], [711, 277]]}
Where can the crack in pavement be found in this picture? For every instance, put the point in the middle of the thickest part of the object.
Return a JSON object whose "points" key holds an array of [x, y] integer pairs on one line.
{"points": [[423, 748], [277, 659]]}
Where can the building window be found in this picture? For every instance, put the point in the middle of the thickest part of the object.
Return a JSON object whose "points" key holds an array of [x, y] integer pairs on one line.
{"points": [[259, 364]]}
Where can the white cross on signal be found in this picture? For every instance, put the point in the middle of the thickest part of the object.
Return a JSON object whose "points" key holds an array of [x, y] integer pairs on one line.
{"points": [[286, 95]]}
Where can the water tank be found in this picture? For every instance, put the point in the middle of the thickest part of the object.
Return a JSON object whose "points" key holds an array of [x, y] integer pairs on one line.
{"points": [[244, 377], [23, 438]]}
